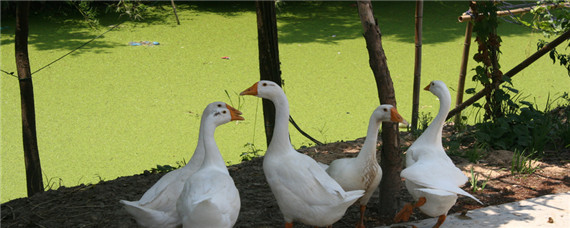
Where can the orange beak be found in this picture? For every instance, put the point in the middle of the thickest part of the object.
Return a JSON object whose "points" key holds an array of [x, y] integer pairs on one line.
{"points": [[395, 116], [427, 87], [250, 91], [234, 113]]}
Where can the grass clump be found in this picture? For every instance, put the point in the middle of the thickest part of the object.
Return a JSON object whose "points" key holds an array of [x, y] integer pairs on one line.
{"points": [[474, 181], [523, 163]]}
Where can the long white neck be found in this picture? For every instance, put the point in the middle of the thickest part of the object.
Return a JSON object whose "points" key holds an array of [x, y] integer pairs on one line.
{"points": [[198, 156], [280, 137], [368, 150], [433, 133], [212, 156]]}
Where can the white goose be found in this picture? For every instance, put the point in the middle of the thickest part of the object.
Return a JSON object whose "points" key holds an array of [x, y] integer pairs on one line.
{"points": [[157, 206], [303, 190], [431, 177], [363, 171], [210, 197]]}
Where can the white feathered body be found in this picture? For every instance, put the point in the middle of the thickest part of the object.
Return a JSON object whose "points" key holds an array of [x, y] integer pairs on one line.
{"points": [[429, 172], [210, 199], [304, 191]]}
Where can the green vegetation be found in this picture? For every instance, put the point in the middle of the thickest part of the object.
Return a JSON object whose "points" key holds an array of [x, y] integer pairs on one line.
{"points": [[251, 152], [474, 181], [112, 110], [523, 162], [525, 127]]}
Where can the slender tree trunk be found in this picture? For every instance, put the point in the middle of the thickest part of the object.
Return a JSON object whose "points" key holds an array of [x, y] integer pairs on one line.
{"points": [[268, 57], [418, 64], [391, 162], [31, 156], [174, 9]]}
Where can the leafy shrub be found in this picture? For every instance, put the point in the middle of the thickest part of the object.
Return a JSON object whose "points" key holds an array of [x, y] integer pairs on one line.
{"points": [[525, 127]]}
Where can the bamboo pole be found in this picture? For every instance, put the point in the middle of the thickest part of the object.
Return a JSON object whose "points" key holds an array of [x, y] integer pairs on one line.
{"points": [[502, 13], [418, 64], [511, 73], [463, 70]]}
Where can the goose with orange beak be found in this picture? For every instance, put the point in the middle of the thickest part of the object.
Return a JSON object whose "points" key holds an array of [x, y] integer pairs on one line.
{"points": [[209, 197], [157, 206], [431, 177], [304, 191], [363, 171]]}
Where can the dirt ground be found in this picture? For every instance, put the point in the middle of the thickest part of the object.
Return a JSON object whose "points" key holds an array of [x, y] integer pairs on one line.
{"points": [[97, 205]]}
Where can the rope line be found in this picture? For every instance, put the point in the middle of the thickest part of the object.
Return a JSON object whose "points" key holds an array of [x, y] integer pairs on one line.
{"points": [[9, 73], [77, 48]]}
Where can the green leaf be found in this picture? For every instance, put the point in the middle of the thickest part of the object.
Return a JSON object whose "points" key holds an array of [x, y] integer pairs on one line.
{"points": [[470, 91], [511, 89], [553, 56]]}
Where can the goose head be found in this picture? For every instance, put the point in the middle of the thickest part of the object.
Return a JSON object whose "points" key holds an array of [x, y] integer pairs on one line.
{"points": [[387, 113], [437, 87], [218, 105], [224, 115], [264, 89]]}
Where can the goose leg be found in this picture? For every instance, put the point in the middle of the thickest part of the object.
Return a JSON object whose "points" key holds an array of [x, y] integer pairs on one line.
{"points": [[440, 221], [406, 212], [288, 225], [360, 224]]}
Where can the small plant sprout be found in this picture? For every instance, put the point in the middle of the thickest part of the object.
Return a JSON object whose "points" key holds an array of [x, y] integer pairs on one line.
{"points": [[251, 153], [474, 181], [523, 163]]}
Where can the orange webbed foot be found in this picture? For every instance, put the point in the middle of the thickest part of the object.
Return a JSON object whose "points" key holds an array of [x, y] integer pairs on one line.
{"points": [[404, 214]]}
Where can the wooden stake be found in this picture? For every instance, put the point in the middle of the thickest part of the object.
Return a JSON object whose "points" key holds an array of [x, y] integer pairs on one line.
{"points": [[463, 70]]}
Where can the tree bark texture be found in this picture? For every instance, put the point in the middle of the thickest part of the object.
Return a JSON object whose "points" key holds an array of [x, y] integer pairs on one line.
{"points": [[31, 155], [391, 162], [175, 14], [268, 57], [418, 64]]}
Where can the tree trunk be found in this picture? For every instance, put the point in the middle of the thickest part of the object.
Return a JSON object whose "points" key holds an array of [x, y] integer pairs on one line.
{"points": [[268, 57], [31, 156], [418, 64], [391, 162], [175, 14]]}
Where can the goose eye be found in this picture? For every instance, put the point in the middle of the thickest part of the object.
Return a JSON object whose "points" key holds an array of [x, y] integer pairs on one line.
{"points": [[224, 112], [432, 83], [385, 110], [219, 105], [264, 84]]}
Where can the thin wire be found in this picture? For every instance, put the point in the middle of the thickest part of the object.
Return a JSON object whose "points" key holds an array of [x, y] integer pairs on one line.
{"points": [[77, 48], [9, 73]]}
